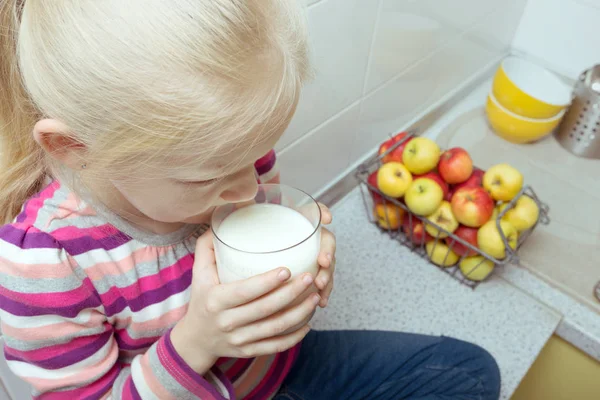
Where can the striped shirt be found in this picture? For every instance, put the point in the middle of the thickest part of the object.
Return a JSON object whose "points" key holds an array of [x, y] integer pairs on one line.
{"points": [[87, 309]]}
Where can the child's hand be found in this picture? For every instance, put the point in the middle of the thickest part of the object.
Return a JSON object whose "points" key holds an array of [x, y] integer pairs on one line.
{"points": [[324, 279], [242, 319]]}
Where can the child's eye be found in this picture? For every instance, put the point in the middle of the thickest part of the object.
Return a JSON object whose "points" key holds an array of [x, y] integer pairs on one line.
{"points": [[205, 182]]}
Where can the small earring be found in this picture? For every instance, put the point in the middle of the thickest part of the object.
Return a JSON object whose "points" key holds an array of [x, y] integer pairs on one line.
{"points": [[83, 166]]}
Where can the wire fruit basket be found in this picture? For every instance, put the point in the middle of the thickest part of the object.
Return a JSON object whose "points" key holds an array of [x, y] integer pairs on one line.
{"points": [[409, 229]]}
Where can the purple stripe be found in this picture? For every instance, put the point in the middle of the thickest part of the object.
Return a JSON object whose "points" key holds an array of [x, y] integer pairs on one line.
{"points": [[247, 363], [70, 357], [27, 240], [183, 367], [123, 345], [86, 243], [150, 297], [24, 310], [107, 386], [133, 390], [276, 371], [224, 380], [266, 167]]}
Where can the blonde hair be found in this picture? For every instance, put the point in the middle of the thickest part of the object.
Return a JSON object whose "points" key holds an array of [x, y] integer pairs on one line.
{"points": [[140, 81]]}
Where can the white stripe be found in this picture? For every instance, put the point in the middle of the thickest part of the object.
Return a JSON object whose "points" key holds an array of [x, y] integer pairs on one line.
{"points": [[26, 370], [98, 256], [140, 383], [154, 310], [17, 255], [39, 321], [212, 378]]}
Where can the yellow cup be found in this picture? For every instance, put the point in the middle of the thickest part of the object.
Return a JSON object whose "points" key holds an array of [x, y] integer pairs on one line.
{"points": [[529, 90], [515, 128]]}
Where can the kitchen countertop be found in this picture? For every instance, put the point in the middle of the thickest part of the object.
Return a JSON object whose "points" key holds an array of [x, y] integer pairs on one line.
{"points": [[382, 285], [579, 325]]}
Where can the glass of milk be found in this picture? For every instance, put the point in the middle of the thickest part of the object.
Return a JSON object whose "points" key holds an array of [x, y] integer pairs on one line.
{"points": [[279, 228]]}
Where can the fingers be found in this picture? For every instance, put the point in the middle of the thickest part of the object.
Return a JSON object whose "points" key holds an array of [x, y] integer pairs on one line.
{"points": [[326, 216], [328, 247], [268, 305], [326, 294], [235, 294], [275, 345], [278, 324]]}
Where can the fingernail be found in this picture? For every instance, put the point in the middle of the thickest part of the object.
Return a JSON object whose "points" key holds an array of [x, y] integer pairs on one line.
{"points": [[316, 299], [307, 279], [323, 282], [284, 274], [329, 257]]}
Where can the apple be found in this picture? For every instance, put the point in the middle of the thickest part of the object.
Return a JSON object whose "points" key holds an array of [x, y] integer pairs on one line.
{"points": [[423, 196], [503, 182], [490, 241], [476, 179], [476, 268], [438, 179], [524, 214], [443, 218], [455, 165], [388, 215], [372, 180], [418, 235], [393, 179], [467, 234], [396, 154], [440, 254], [472, 206], [421, 155]]}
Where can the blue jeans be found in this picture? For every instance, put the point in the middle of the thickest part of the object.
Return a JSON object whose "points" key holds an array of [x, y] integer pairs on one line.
{"points": [[349, 365]]}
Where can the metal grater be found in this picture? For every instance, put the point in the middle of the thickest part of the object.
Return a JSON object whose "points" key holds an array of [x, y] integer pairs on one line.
{"points": [[579, 131]]}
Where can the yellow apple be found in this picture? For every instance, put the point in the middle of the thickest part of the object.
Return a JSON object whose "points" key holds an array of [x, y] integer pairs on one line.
{"points": [[524, 214], [476, 268], [421, 155], [503, 182], [444, 218], [440, 254], [490, 241], [423, 196], [393, 179], [388, 215]]}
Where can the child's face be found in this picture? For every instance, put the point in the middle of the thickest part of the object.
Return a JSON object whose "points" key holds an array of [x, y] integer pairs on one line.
{"points": [[191, 192]]}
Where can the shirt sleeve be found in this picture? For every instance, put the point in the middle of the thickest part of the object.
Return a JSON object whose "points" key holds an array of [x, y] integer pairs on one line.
{"points": [[267, 168], [58, 339]]}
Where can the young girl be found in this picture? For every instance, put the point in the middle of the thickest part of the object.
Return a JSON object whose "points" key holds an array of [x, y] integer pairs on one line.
{"points": [[124, 123]]}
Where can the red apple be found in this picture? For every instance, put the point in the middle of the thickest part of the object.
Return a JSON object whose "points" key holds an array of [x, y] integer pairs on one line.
{"points": [[438, 179], [476, 179], [419, 235], [467, 234], [372, 180], [472, 206], [396, 154], [455, 165]]}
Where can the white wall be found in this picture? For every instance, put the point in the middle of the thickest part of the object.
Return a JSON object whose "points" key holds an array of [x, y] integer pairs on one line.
{"points": [[379, 64], [562, 34]]}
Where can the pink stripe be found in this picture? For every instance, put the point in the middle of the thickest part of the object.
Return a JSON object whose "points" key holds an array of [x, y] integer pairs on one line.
{"points": [[153, 383], [53, 351], [36, 271], [72, 232], [151, 282], [53, 331], [91, 391], [165, 321], [129, 262], [34, 205], [48, 300], [289, 358], [264, 159], [178, 374], [84, 375]]}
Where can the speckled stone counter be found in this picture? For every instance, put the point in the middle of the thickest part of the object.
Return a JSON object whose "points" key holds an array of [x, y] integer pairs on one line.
{"points": [[382, 285]]}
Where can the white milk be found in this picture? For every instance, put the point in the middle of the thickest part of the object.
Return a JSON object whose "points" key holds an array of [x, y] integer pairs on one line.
{"points": [[262, 237]]}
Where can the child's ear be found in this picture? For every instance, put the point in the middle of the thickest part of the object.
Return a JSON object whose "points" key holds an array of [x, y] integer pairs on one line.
{"points": [[53, 136]]}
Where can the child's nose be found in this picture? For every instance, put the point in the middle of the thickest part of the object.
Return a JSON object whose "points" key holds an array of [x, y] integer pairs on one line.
{"points": [[241, 190]]}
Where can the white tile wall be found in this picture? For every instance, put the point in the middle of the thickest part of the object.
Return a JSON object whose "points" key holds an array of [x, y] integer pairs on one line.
{"points": [[564, 34], [379, 63]]}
